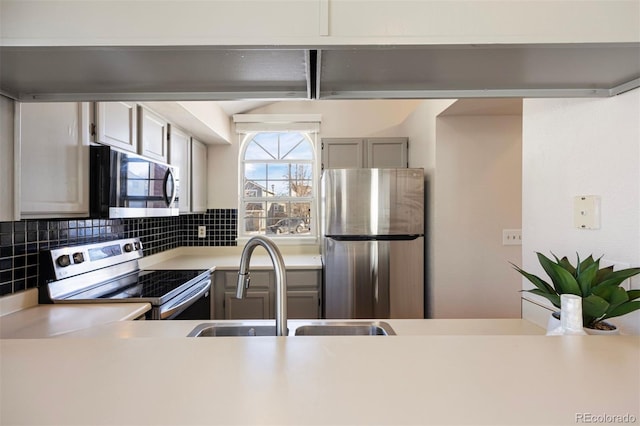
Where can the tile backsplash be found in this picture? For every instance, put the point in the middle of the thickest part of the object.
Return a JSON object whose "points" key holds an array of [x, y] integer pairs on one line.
{"points": [[21, 241]]}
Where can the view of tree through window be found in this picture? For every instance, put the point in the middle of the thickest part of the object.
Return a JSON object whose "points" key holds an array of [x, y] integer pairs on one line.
{"points": [[278, 195]]}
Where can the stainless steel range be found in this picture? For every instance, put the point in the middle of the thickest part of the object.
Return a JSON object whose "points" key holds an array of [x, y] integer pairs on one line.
{"points": [[109, 272]]}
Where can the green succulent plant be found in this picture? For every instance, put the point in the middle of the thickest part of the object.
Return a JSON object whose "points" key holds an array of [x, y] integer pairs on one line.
{"points": [[602, 296]]}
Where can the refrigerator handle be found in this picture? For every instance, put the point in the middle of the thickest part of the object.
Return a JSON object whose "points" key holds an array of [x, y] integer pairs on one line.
{"points": [[374, 275], [382, 278]]}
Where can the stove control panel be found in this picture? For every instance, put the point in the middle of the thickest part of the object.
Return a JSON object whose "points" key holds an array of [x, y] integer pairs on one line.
{"points": [[70, 261]]}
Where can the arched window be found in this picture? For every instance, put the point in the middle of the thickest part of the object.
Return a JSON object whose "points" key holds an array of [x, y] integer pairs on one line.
{"points": [[278, 185]]}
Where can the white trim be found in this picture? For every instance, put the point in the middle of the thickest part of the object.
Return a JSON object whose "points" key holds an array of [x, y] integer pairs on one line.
{"points": [[249, 123], [305, 127], [277, 118]]}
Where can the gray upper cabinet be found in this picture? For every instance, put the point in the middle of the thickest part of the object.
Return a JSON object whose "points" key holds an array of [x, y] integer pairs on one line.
{"points": [[356, 153], [117, 125], [342, 153], [387, 152]]}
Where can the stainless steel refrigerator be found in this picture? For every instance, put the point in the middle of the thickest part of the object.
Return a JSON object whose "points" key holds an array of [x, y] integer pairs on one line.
{"points": [[373, 228]]}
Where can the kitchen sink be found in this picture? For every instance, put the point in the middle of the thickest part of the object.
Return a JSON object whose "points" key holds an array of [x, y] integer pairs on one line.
{"points": [[230, 330], [297, 328], [346, 329]]}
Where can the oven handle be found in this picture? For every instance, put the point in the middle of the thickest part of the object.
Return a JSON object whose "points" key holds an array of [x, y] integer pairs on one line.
{"points": [[186, 303]]}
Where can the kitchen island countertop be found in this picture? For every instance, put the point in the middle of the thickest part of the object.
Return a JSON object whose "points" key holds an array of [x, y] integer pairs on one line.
{"points": [[396, 380]]}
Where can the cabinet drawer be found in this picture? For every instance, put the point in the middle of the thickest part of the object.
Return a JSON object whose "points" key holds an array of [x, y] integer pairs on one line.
{"points": [[303, 279], [259, 280]]}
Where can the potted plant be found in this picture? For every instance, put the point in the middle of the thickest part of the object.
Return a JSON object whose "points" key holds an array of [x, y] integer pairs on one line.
{"points": [[602, 295]]}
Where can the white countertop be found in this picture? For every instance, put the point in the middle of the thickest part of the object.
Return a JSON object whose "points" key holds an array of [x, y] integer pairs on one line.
{"points": [[228, 258], [53, 320], [395, 380]]}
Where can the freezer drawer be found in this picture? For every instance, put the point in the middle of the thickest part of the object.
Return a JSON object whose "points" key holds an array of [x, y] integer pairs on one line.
{"points": [[374, 279]]}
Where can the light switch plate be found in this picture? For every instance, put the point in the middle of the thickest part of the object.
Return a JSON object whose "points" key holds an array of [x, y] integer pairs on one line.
{"points": [[586, 211], [512, 237]]}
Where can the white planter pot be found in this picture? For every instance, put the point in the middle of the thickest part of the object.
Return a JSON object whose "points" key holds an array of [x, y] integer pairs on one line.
{"points": [[554, 322], [596, 332]]}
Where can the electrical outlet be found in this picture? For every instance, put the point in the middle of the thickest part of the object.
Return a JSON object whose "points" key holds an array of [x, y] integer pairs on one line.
{"points": [[202, 231], [512, 237]]}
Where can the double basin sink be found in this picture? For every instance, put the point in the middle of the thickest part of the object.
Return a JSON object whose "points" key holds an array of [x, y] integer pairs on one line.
{"points": [[297, 328]]}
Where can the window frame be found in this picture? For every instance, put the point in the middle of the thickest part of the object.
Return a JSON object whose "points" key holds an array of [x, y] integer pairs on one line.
{"points": [[313, 199]]}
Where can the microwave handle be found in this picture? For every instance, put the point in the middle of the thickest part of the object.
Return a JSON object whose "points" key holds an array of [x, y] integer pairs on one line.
{"points": [[170, 198]]}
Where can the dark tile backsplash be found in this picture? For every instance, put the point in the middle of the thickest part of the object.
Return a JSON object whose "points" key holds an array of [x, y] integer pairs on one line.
{"points": [[221, 228], [21, 241]]}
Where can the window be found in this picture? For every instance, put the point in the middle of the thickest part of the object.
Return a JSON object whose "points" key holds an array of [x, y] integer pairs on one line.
{"points": [[278, 185]]}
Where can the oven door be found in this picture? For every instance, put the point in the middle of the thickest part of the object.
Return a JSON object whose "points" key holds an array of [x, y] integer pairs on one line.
{"points": [[192, 304]]}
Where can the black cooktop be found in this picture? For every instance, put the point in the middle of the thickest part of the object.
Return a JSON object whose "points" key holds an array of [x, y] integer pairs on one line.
{"points": [[154, 284], [147, 285]]}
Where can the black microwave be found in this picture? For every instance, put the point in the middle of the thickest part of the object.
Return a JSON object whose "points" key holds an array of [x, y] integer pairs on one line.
{"points": [[123, 184]]}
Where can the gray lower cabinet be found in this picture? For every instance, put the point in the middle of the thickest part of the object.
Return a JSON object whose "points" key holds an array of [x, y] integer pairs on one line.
{"points": [[303, 295]]}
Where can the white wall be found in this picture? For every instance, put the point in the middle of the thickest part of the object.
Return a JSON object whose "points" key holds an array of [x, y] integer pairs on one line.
{"points": [[339, 119], [6, 160], [477, 194], [576, 147]]}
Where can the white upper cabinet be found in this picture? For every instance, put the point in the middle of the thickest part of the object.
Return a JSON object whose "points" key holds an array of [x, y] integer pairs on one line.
{"points": [[7, 162], [180, 157], [117, 125], [198, 176], [356, 153], [53, 139], [152, 136]]}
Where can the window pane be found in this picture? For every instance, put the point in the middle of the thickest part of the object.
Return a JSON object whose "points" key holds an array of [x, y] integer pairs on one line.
{"points": [[260, 151], [254, 218], [300, 150], [255, 171], [277, 171], [256, 188]]}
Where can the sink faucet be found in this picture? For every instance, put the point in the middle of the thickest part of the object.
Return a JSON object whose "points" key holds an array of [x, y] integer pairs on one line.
{"points": [[281, 279]]}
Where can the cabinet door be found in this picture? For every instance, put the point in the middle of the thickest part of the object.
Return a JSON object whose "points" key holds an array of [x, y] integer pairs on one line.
{"points": [[179, 156], [116, 125], [386, 153], [198, 176], [54, 168], [7, 161], [255, 305], [303, 304], [342, 153], [152, 135]]}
